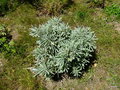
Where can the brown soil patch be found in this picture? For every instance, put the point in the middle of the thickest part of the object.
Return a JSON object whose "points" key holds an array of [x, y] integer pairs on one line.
{"points": [[15, 35], [15, 32]]}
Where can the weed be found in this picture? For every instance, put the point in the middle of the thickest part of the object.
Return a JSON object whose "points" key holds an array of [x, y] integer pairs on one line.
{"points": [[81, 15], [113, 10], [6, 45]]}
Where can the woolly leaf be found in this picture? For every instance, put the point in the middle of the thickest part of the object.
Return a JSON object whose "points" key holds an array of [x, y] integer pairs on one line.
{"points": [[61, 49]]}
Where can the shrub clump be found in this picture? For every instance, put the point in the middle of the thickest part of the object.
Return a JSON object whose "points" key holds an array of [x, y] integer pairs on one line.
{"points": [[61, 49]]}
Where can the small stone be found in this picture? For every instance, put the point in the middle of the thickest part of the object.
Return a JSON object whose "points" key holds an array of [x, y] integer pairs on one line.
{"points": [[95, 65]]}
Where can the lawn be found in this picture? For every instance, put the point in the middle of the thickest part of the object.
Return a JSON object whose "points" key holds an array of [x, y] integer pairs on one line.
{"points": [[104, 73]]}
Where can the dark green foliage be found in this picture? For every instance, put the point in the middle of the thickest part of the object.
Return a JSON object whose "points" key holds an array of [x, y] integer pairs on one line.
{"points": [[61, 49], [113, 10], [8, 5], [6, 45], [81, 15], [3, 6]]}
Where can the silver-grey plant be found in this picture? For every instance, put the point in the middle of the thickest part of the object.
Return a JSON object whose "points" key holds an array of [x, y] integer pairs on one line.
{"points": [[61, 49]]}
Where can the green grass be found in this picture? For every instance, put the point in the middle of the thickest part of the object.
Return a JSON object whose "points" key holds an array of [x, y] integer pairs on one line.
{"points": [[15, 75]]}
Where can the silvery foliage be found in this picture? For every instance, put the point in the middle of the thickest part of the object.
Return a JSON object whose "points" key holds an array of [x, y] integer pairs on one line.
{"points": [[61, 49]]}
